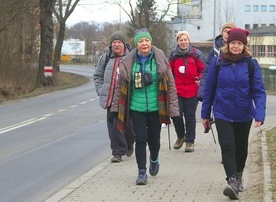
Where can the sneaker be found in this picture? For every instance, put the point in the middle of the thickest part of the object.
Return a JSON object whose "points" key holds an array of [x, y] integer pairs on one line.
{"points": [[142, 178], [154, 167], [232, 190], [240, 181], [179, 142], [190, 147], [130, 151], [116, 158]]}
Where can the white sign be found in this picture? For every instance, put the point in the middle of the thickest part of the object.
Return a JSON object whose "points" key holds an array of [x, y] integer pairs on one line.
{"points": [[73, 47], [48, 71]]}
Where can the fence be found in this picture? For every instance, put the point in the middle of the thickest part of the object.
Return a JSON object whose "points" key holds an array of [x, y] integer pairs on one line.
{"points": [[269, 77]]}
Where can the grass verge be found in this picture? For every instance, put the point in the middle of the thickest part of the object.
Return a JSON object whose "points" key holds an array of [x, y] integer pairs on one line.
{"points": [[271, 144], [64, 80]]}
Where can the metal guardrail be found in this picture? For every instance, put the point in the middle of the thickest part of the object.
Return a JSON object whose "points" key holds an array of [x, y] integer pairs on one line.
{"points": [[269, 77]]}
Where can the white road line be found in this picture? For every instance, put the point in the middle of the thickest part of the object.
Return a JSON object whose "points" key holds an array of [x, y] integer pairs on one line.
{"points": [[19, 125], [33, 120]]}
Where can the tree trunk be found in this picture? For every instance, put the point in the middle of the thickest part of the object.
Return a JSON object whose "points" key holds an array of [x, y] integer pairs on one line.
{"points": [[46, 38], [59, 44]]}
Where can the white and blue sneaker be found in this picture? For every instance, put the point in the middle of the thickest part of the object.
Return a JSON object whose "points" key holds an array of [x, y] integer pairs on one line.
{"points": [[142, 178]]}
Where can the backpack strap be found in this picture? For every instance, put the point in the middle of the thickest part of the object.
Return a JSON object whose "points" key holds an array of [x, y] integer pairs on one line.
{"points": [[107, 57], [251, 70]]}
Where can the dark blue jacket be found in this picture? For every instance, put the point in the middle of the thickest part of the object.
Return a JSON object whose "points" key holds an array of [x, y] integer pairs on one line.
{"points": [[231, 93]]}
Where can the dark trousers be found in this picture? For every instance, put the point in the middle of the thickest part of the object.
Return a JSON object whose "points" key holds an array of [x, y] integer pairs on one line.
{"points": [[146, 128], [233, 140], [119, 142], [187, 108]]}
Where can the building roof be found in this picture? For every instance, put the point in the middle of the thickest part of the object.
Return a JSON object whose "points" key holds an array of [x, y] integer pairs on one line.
{"points": [[263, 31]]}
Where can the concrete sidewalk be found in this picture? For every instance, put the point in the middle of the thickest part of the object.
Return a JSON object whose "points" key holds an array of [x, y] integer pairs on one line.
{"points": [[197, 176]]}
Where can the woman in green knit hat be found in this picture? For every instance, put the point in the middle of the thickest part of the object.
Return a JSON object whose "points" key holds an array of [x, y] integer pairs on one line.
{"points": [[145, 94]]}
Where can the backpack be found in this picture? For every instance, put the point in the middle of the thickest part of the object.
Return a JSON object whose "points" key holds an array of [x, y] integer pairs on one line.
{"points": [[250, 67]]}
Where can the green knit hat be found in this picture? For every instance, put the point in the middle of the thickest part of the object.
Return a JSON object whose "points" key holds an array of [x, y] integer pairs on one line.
{"points": [[118, 35], [140, 33]]}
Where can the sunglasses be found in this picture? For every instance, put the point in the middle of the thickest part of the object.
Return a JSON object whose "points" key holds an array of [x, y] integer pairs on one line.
{"points": [[137, 31]]}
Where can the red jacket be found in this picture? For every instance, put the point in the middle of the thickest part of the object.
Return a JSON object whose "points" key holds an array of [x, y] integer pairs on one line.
{"points": [[186, 69]]}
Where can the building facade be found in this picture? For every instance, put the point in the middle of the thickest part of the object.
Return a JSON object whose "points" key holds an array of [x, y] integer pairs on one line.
{"points": [[203, 19]]}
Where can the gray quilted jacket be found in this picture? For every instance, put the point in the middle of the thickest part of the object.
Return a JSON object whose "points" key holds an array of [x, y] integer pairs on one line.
{"points": [[102, 75]]}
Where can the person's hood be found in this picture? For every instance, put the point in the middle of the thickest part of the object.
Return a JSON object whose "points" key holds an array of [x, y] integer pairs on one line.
{"points": [[219, 41]]}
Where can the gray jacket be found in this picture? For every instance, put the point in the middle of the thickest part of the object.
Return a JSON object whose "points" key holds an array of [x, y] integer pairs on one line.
{"points": [[103, 75]]}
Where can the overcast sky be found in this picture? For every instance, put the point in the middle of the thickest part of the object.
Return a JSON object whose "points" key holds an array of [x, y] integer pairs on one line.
{"points": [[91, 10]]}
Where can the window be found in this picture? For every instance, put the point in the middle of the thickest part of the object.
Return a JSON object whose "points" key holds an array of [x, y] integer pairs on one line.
{"points": [[271, 25], [254, 50], [261, 50], [247, 26], [272, 8], [247, 8], [255, 26], [263, 25], [255, 8], [263, 8], [269, 51]]}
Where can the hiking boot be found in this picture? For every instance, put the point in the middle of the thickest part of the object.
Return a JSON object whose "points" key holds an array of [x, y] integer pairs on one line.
{"points": [[189, 147], [179, 142], [116, 158], [130, 151], [142, 178], [154, 167], [232, 190], [240, 181]]}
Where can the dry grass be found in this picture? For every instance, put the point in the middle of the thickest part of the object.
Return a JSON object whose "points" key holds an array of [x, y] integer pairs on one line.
{"points": [[63, 80], [271, 143]]}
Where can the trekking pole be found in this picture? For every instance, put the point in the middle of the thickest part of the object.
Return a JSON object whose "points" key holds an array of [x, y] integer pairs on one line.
{"points": [[212, 121], [169, 136], [213, 135]]}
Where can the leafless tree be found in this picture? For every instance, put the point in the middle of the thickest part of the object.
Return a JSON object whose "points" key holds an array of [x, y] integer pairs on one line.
{"points": [[62, 11], [18, 53], [146, 13]]}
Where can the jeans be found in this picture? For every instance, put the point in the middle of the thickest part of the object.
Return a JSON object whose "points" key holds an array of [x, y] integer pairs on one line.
{"points": [[187, 107], [119, 142], [233, 140], [146, 128]]}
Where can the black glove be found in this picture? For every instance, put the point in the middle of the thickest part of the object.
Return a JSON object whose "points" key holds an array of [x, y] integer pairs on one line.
{"points": [[111, 116]]}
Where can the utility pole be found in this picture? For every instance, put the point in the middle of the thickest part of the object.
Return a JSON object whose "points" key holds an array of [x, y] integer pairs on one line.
{"points": [[214, 27], [120, 22]]}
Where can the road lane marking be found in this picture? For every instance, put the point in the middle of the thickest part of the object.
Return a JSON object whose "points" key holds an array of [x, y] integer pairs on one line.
{"points": [[34, 120], [22, 124]]}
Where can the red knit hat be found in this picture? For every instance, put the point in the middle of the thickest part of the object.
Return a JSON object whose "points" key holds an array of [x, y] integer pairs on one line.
{"points": [[237, 34]]}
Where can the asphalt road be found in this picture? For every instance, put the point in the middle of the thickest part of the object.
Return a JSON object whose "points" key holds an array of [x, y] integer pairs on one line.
{"points": [[49, 141]]}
